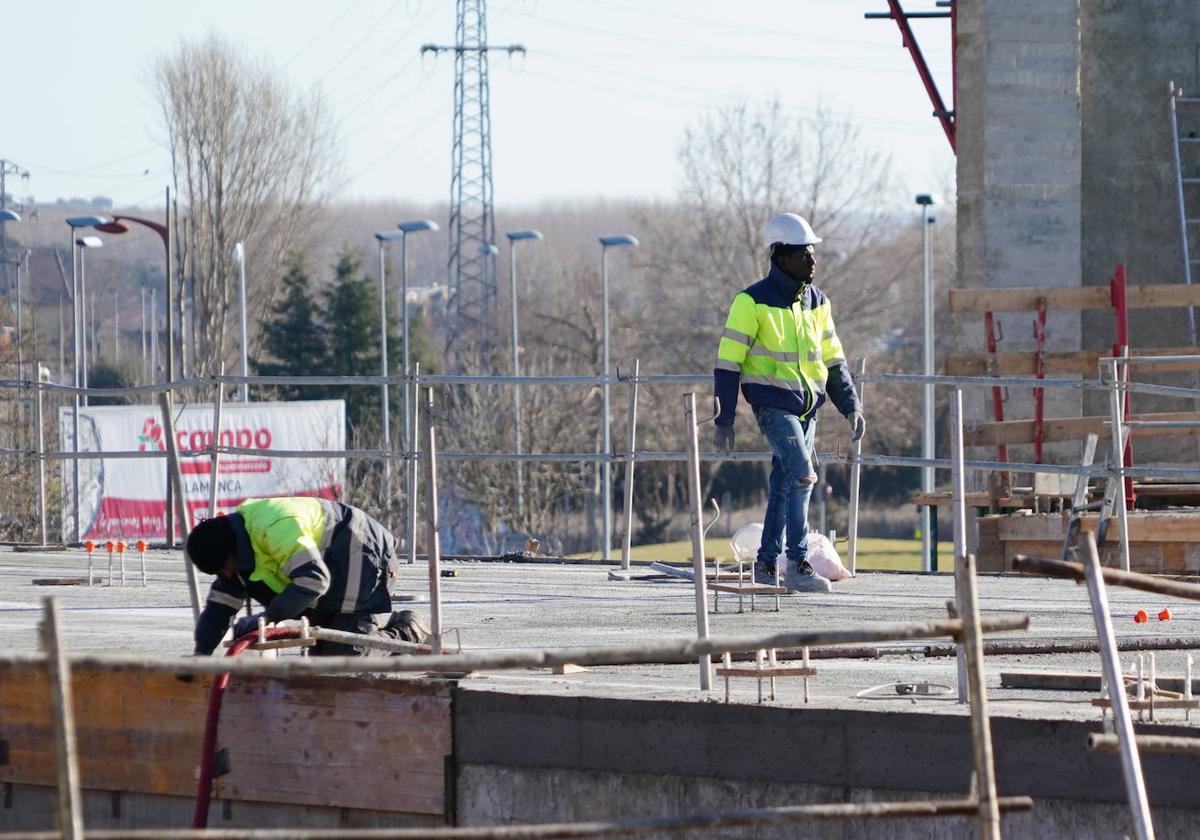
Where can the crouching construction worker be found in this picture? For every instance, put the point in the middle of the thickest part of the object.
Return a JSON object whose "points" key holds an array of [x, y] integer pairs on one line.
{"points": [[323, 560], [780, 345]]}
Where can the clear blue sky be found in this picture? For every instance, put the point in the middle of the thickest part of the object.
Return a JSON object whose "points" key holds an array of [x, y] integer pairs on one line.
{"points": [[595, 109]]}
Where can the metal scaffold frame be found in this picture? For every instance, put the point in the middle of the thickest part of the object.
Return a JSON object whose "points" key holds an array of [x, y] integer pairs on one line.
{"points": [[1116, 386]]}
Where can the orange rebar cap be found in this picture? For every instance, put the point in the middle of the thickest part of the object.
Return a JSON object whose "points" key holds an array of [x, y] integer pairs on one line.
{"points": [[120, 546], [109, 546], [141, 545], [1140, 617], [89, 546], [1164, 614]]}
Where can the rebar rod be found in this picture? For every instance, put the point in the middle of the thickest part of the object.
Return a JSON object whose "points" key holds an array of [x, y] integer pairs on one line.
{"points": [[431, 520], [695, 509], [360, 640], [1146, 743], [643, 653], [1116, 577], [70, 797], [856, 477], [1131, 765], [700, 822], [175, 481]]}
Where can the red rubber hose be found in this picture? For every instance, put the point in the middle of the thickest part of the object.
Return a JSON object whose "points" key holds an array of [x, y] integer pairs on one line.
{"points": [[213, 719]]}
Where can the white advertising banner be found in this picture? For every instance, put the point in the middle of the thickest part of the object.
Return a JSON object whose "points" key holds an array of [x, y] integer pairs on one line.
{"points": [[125, 498]]}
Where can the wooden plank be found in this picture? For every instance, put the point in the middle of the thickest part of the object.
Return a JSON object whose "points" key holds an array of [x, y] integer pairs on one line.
{"points": [[1025, 298], [306, 727], [749, 589], [141, 732], [777, 671], [1056, 363], [1059, 429], [1157, 527]]}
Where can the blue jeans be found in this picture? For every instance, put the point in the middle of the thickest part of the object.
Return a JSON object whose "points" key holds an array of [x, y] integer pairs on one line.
{"points": [[791, 442]]}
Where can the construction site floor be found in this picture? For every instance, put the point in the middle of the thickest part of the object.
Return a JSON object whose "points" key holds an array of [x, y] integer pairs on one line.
{"points": [[496, 605]]}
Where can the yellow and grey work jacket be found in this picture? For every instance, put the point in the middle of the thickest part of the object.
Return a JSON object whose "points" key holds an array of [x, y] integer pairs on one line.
{"points": [[300, 553], [781, 346]]}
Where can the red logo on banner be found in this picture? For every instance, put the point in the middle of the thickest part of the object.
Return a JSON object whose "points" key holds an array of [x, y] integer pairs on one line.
{"points": [[151, 436]]}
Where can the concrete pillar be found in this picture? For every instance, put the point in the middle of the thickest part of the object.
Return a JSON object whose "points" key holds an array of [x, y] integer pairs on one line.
{"points": [[1019, 174]]}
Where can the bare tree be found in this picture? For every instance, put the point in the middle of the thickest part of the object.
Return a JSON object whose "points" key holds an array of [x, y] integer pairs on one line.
{"points": [[250, 158]]}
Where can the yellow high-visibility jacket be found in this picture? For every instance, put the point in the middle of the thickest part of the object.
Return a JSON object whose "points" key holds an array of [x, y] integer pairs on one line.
{"points": [[781, 346]]}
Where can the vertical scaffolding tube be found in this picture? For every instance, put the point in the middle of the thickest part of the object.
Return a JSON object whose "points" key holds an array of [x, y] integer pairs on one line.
{"points": [[629, 466], [1118, 461], [410, 465], [214, 469], [70, 797], [175, 482], [694, 504], [958, 494], [39, 418], [431, 518], [1131, 764], [856, 476]]}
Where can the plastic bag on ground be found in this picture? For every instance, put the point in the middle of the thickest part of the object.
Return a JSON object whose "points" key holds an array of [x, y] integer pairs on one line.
{"points": [[822, 556]]}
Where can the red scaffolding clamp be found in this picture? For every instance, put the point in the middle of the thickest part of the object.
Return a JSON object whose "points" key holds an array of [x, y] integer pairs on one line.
{"points": [[909, 41], [1120, 304]]}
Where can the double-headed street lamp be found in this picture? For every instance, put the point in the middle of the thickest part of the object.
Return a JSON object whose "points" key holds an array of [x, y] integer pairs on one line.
{"points": [[383, 237], [929, 521], [410, 474], [77, 312], [606, 242], [405, 228], [84, 243], [513, 238]]}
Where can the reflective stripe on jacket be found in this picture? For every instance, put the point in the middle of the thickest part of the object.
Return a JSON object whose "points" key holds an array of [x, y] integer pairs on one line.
{"points": [[780, 344], [295, 554]]}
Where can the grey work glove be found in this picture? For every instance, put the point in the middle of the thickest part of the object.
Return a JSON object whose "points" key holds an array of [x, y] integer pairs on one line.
{"points": [[246, 624], [723, 438], [858, 426]]}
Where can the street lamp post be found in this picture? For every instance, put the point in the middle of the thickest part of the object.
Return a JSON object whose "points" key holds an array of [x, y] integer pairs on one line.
{"points": [[118, 225], [928, 441], [606, 242], [513, 238], [385, 418], [410, 474], [239, 254]]}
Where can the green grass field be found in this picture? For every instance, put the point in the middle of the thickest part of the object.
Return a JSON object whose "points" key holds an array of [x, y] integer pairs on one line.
{"points": [[903, 555]]}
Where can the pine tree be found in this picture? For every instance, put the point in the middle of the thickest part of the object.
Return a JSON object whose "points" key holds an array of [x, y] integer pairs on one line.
{"points": [[352, 338], [292, 334]]}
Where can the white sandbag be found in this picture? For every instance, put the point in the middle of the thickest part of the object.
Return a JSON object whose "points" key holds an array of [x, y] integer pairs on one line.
{"points": [[822, 556], [746, 540]]}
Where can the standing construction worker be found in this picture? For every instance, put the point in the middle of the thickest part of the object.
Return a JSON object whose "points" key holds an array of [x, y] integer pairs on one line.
{"points": [[780, 345], [324, 560]]}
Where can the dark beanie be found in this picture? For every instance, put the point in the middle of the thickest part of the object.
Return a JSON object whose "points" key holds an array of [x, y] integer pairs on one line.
{"points": [[210, 543]]}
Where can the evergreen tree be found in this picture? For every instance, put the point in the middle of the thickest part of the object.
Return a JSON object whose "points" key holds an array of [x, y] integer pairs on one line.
{"points": [[292, 336], [352, 338]]}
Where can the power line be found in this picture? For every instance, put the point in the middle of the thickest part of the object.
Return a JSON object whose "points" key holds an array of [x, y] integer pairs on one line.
{"points": [[319, 35]]}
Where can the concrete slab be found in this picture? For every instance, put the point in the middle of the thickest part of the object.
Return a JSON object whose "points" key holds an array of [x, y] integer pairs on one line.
{"points": [[511, 606]]}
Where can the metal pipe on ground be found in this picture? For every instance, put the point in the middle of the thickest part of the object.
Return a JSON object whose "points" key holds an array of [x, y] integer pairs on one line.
{"points": [[1102, 742], [694, 822], [691, 649], [1131, 763], [1026, 647], [1114, 577]]}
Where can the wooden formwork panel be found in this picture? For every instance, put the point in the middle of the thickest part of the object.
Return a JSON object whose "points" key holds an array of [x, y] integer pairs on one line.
{"points": [[378, 744], [1159, 543]]}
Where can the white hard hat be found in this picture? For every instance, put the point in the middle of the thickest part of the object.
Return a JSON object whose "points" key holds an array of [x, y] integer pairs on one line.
{"points": [[788, 229]]}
